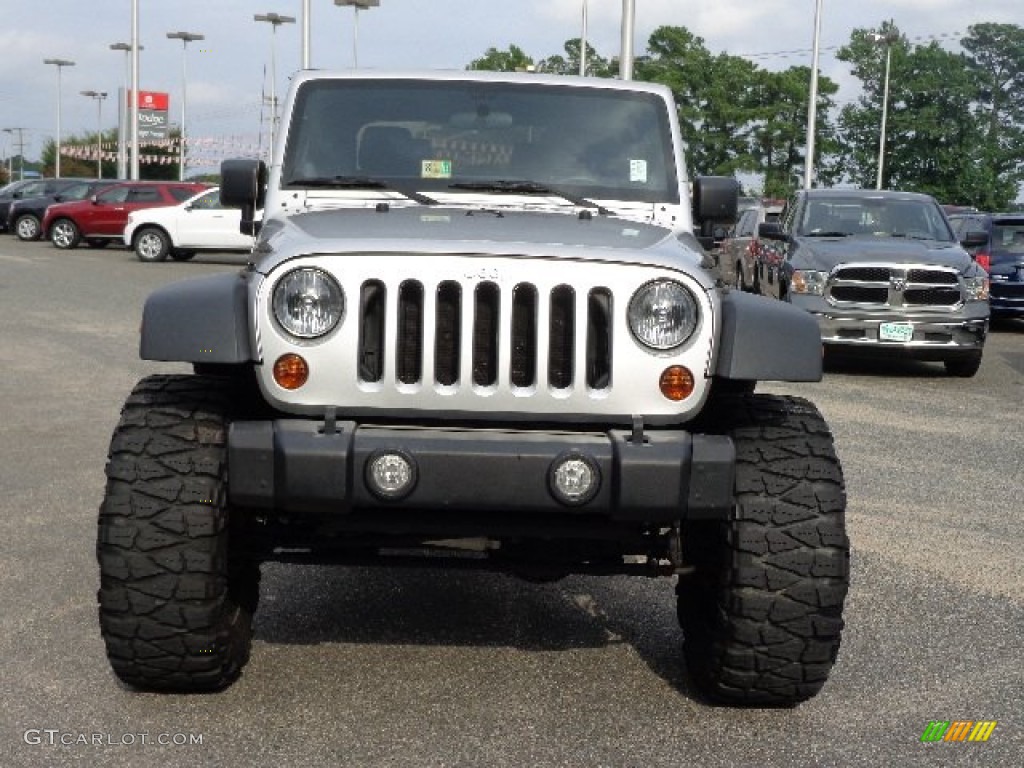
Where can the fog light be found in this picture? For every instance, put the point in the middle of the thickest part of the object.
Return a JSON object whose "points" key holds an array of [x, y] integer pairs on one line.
{"points": [[574, 479], [291, 371], [676, 383], [390, 475]]}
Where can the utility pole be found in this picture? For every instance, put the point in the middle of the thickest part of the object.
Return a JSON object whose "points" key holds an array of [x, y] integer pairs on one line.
{"points": [[99, 96], [21, 154], [275, 20]]}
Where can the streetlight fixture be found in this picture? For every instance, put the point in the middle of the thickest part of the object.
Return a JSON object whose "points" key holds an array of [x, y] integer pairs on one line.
{"points": [[59, 64], [99, 96], [186, 38], [887, 40], [357, 5], [123, 108], [275, 20]]}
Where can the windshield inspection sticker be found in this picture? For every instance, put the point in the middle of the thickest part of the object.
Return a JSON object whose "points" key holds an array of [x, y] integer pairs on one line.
{"points": [[436, 169], [638, 171]]}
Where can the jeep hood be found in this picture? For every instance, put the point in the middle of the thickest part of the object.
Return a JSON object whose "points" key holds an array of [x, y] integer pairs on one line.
{"points": [[471, 232], [825, 253]]}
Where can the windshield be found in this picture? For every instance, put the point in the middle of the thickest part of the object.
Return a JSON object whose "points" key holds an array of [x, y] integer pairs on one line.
{"points": [[876, 217], [597, 143], [1007, 240]]}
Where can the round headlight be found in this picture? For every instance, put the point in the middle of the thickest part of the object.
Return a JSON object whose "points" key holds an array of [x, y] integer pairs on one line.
{"points": [[662, 314], [308, 303]]}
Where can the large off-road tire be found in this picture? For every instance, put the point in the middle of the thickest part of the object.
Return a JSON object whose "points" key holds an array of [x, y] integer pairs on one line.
{"points": [[176, 597], [762, 611]]}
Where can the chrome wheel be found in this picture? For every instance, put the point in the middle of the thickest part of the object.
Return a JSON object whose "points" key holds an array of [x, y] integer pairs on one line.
{"points": [[27, 227], [151, 245], [64, 234]]}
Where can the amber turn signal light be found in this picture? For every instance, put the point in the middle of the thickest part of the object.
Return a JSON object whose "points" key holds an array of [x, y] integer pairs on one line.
{"points": [[676, 383], [291, 371]]}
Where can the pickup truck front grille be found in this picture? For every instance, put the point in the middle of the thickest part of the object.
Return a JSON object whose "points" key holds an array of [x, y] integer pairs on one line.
{"points": [[464, 324], [894, 286]]}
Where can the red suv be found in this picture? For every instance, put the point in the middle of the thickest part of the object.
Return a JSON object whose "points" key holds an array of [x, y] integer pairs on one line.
{"points": [[101, 219]]}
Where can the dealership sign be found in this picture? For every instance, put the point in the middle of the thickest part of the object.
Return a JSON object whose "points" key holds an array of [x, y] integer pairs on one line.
{"points": [[153, 123]]}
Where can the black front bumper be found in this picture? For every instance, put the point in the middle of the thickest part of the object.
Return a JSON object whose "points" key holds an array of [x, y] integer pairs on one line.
{"points": [[303, 466]]}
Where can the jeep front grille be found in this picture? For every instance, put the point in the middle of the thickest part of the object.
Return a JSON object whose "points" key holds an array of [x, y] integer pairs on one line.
{"points": [[443, 331], [894, 286]]}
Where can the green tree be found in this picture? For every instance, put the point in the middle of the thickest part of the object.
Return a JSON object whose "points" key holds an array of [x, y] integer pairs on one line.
{"points": [[512, 60], [597, 65], [714, 96], [996, 56], [778, 140], [952, 130]]}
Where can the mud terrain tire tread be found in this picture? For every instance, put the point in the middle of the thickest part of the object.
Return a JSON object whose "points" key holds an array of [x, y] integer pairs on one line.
{"points": [[762, 613], [175, 607]]}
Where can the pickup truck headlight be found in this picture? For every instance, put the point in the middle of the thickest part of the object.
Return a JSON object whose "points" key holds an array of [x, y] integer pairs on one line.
{"points": [[808, 282], [662, 314], [977, 288], [308, 303]]}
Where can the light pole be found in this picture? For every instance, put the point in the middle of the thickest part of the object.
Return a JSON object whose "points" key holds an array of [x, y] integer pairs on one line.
{"points": [[357, 5], [583, 42], [21, 154], [887, 40], [59, 64], [306, 22], [123, 108], [628, 25], [275, 20], [134, 107], [99, 96], [186, 38], [812, 100]]}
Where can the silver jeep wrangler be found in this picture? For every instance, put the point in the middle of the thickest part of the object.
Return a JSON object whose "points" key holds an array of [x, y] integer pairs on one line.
{"points": [[478, 330]]}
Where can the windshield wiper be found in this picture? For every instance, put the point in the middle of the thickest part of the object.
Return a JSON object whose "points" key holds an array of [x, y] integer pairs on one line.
{"points": [[359, 182], [525, 187]]}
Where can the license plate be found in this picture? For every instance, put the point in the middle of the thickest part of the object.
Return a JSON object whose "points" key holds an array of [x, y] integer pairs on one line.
{"points": [[895, 332]]}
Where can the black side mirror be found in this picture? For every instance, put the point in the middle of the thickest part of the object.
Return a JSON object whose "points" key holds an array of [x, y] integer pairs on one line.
{"points": [[974, 238], [243, 184], [771, 230]]}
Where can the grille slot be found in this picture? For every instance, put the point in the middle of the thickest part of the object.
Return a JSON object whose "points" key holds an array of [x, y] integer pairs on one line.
{"points": [[447, 333], [485, 335], [372, 299], [409, 359], [560, 338], [524, 336], [599, 339]]}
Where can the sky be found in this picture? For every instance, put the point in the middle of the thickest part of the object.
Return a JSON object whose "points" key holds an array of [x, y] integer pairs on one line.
{"points": [[228, 72]]}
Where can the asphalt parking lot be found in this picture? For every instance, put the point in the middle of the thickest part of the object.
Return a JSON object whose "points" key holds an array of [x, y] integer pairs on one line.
{"points": [[362, 667]]}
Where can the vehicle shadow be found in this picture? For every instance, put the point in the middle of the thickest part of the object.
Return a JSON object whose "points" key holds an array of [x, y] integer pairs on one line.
{"points": [[310, 605], [891, 365]]}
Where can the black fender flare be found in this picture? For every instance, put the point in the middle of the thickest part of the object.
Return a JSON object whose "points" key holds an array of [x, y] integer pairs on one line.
{"points": [[201, 320], [764, 339]]}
